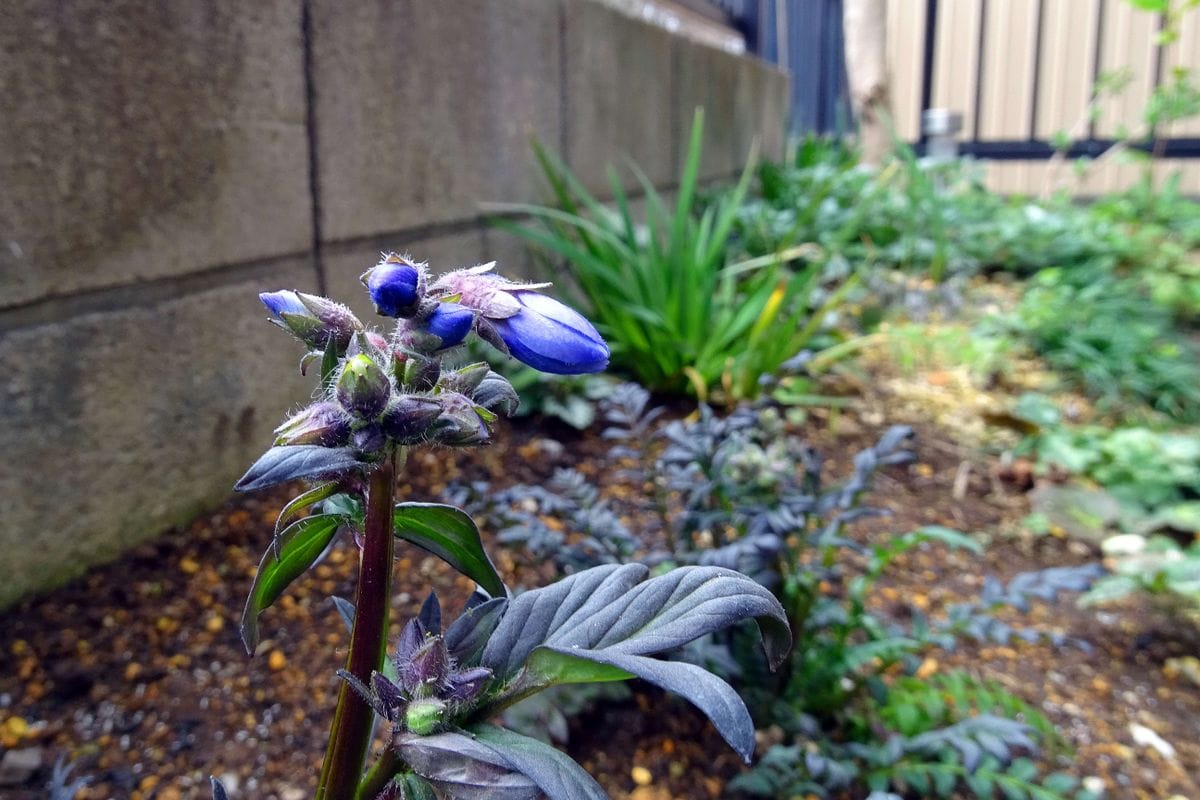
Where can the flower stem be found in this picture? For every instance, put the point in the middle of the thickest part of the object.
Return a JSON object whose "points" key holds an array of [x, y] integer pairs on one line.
{"points": [[380, 775], [350, 736]]}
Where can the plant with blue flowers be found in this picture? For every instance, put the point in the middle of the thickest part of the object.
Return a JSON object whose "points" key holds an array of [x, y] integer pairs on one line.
{"points": [[383, 393]]}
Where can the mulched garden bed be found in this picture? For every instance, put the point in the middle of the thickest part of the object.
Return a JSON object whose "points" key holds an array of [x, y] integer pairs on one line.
{"points": [[136, 672]]}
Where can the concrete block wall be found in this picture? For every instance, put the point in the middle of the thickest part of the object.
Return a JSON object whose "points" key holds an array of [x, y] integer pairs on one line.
{"points": [[161, 164]]}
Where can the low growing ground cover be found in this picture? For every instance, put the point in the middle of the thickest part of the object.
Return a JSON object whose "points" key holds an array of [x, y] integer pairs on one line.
{"points": [[136, 671]]}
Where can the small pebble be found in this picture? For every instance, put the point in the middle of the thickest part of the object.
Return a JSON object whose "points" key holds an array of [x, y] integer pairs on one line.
{"points": [[277, 660], [641, 776]]}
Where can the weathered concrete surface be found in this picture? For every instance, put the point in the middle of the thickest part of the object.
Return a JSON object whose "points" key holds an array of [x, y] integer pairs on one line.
{"points": [[142, 140], [708, 78], [154, 176], [119, 424], [618, 80], [424, 110]]}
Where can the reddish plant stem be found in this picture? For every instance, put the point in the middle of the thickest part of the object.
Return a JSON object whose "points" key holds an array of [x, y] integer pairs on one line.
{"points": [[350, 736]]}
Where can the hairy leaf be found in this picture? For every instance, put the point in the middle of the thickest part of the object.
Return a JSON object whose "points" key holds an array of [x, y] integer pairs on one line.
{"points": [[287, 462], [555, 773], [450, 534], [462, 768], [613, 617], [292, 552]]}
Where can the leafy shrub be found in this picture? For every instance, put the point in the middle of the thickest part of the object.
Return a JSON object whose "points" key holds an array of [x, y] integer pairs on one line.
{"points": [[934, 218], [678, 317], [1101, 332], [741, 492]]}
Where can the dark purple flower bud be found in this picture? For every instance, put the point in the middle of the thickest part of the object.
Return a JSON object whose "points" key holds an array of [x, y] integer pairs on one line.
{"points": [[465, 379], [390, 696], [363, 388], [426, 672], [394, 287], [408, 419], [496, 394], [421, 373], [412, 636], [369, 438], [465, 686], [324, 424], [551, 337], [460, 424], [451, 323]]}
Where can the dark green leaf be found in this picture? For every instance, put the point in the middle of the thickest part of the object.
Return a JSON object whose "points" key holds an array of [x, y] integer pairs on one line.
{"points": [[295, 508], [297, 547], [450, 534], [287, 462]]}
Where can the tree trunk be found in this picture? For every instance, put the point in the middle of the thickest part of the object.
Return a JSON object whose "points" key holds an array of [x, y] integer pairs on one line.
{"points": [[865, 26]]}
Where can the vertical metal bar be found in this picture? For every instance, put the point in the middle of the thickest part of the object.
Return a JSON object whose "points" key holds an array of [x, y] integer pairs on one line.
{"points": [[979, 54], [1035, 92], [1097, 60], [931, 16], [1158, 70]]}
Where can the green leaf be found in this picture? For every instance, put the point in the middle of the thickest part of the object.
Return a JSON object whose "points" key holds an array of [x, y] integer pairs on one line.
{"points": [[298, 547], [450, 534], [554, 668], [295, 508]]}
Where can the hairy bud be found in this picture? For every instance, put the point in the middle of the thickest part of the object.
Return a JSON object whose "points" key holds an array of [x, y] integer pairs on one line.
{"points": [[408, 418], [324, 424], [496, 394], [459, 424], [395, 287], [363, 388]]}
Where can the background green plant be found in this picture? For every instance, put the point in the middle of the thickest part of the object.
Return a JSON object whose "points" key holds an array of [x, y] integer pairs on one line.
{"points": [[678, 316]]}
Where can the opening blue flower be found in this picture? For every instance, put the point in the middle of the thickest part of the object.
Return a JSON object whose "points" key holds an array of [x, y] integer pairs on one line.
{"points": [[451, 323], [394, 288], [551, 337], [283, 302]]}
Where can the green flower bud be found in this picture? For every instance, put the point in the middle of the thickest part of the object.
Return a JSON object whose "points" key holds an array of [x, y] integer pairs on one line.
{"points": [[424, 716], [363, 388]]}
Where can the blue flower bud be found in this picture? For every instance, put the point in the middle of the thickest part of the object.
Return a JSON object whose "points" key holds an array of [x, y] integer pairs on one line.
{"points": [[314, 320], [362, 388], [551, 337], [282, 302], [394, 288], [451, 323]]}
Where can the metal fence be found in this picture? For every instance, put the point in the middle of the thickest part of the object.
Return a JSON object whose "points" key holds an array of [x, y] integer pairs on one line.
{"points": [[1092, 38]]}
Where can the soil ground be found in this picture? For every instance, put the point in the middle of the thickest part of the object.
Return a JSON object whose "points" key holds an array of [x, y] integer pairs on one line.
{"points": [[136, 672]]}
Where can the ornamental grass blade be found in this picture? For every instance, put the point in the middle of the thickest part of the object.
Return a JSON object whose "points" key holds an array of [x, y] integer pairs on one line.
{"points": [[290, 554], [287, 462], [450, 534]]}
